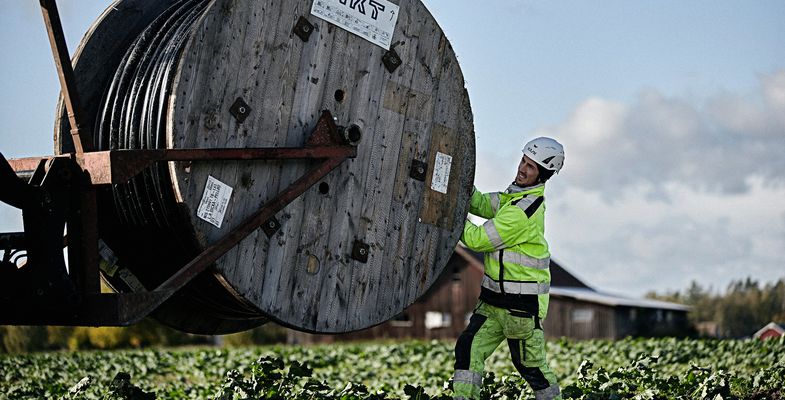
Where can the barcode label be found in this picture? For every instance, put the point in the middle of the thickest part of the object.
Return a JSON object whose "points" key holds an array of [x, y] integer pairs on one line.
{"points": [[373, 20], [214, 202], [441, 172]]}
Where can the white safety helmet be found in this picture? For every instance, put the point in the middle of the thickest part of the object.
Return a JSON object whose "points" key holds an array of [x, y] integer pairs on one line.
{"points": [[546, 152]]}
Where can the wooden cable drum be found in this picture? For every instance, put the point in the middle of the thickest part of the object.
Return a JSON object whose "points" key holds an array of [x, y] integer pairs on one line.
{"points": [[351, 252]]}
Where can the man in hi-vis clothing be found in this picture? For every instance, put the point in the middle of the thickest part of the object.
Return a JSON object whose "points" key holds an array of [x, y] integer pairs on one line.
{"points": [[514, 295]]}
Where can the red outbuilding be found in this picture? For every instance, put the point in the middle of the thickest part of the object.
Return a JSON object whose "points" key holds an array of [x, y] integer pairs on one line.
{"points": [[770, 331]]}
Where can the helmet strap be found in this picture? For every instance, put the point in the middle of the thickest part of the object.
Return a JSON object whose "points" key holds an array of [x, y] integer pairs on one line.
{"points": [[544, 174]]}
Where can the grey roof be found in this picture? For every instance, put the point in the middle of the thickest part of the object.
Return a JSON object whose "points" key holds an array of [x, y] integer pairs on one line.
{"points": [[613, 299]]}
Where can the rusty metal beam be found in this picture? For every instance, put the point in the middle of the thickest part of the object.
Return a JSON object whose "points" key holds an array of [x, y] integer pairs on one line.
{"points": [[106, 309], [28, 164], [65, 72], [118, 166]]}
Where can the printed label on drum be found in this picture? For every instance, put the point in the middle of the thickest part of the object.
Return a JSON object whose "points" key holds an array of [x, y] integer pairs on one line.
{"points": [[441, 172], [108, 261], [214, 201], [373, 20], [131, 280]]}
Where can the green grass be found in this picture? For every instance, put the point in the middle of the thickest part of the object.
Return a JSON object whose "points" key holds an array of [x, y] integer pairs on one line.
{"points": [[632, 368]]}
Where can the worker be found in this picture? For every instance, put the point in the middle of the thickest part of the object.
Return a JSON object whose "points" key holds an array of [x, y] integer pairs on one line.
{"points": [[514, 295]]}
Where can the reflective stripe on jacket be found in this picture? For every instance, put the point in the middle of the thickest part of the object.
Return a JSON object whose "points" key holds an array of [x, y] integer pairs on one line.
{"points": [[516, 253]]}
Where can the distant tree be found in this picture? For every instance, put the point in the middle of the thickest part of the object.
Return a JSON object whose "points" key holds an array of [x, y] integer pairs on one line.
{"points": [[23, 339], [743, 308]]}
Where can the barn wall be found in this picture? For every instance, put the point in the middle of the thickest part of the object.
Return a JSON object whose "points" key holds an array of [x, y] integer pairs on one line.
{"points": [[579, 320], [650, 322]]}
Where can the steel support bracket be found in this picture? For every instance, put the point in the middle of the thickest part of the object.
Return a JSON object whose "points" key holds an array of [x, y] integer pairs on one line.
{"points": [[360, 251], [303, 29], [391, 60], [418, 170], [240, 110]]}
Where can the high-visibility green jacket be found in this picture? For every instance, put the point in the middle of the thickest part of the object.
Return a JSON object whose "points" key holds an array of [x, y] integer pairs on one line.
{"points": [[517, 260]]}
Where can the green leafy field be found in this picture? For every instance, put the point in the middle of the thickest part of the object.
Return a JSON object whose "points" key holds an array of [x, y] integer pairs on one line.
{"points": [[633, 368]]}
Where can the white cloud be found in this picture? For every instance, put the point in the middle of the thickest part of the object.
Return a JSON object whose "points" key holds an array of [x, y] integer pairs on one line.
{"points": [[774, 90], [716, 145], [635, 244]]}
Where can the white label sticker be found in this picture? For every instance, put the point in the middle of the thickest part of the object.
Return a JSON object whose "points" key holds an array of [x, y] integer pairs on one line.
{"points": [[373, 20], [214, 201], [441, 172]]}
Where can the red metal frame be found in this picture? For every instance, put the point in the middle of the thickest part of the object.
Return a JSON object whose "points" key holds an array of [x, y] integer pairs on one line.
{"points": [[119, 309], [65, 72]]}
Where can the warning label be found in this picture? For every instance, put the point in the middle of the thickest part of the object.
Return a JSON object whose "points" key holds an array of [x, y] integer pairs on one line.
{"points": [[373, 20], [441, 172], [215, 199]]}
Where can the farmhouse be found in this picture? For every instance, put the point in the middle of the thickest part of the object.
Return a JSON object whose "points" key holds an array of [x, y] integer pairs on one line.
{"points": [[576, 310]]}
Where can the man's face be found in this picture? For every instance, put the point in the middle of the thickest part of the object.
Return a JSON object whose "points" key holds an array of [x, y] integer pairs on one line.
{"points": [[527, 172]]}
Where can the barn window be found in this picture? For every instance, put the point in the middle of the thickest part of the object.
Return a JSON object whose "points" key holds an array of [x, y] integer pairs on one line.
{"points": [[633, 314], [436, 319], [402, 320], [582, 315], [456, 274]]}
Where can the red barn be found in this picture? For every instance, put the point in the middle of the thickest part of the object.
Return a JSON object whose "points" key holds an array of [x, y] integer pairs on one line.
{"points": [[770, 331]]}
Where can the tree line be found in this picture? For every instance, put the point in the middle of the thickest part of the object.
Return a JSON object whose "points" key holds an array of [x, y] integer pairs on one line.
{"points": [[744, 307], [22, 339]]}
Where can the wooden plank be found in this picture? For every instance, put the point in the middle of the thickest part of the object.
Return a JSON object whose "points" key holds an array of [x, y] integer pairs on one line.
{"points": [[419, 106], [273, 92], [302, 120], [307, 212], [375, 300], [363, 86], [437, 206]]}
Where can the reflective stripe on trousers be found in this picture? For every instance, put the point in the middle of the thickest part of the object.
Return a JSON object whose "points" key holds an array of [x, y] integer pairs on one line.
{"points": [[551, 392], [516, 287], [468, 377]]}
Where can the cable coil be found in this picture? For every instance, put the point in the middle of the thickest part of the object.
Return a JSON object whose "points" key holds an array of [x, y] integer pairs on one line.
{"points": [[134, 112]]}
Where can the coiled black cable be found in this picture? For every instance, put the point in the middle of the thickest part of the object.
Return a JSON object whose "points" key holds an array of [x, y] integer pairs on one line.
{"points": [[134, 112]]}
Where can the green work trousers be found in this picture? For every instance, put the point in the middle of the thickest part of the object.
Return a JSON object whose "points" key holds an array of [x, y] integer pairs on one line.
{"points": [[487, 328]]}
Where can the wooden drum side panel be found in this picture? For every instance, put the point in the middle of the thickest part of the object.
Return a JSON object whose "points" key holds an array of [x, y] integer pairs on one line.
{"points": [[304, 275]]}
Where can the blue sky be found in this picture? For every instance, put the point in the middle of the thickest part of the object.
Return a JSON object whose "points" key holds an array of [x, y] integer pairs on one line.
{"points": [[672, 114]]}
